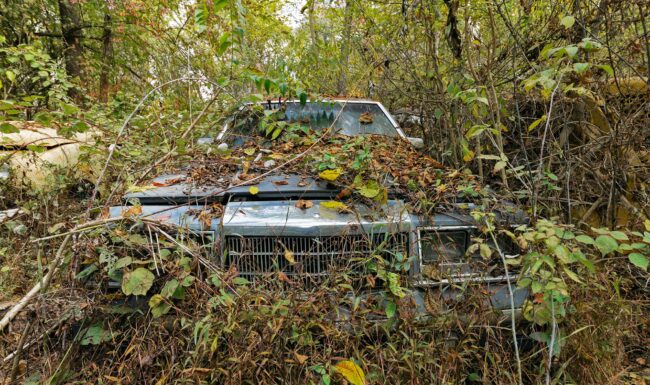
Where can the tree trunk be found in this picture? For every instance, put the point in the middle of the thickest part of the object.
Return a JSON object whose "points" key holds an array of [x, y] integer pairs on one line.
{"points": [[71, 32], [341, 89], [107, 58]]}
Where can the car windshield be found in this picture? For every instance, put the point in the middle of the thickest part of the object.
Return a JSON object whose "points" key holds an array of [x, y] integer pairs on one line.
{"points": [[350, 119]]}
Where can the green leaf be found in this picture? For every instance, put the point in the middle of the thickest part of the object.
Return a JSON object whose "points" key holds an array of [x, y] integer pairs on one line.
{"points": [[158, 305], [536, 123], [10, 75], [564, 234], [277, 132], [485, 251], [240, 281], [370, 189], [585, 239], [572, 275], [201, 17], [35, 148], [607, 68], [79, 126], [95, 335], [43, 118], [122, 263], [571, 50], [170, 288], [87, 272], [390, 309], [606, 244], [267, 86], [219, 5], [394, 285], [303, 98], [8, 128], [639, 260], [562, 253], [568, 21], [137, 282], [619, 236], [224, 43], [581, 67], [476, 131], [480, 99], [498, 166], [69, 109]]}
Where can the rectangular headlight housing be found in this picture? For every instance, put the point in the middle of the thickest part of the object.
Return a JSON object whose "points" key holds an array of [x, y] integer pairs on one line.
{"points": [[442, 252]]}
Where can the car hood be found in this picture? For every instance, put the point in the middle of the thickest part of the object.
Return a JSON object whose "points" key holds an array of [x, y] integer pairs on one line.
{"points": [[173, 189], [32, 133]]}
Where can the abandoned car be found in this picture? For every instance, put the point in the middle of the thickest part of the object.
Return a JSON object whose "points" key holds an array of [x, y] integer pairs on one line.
{"points": [[288, 224], [33, 155]]}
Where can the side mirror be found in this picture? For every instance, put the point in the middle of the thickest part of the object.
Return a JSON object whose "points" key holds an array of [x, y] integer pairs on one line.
{"points": [[416, 142]]}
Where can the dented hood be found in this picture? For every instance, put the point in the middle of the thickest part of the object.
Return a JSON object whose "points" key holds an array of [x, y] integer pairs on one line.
{"points": [[173, 189]]}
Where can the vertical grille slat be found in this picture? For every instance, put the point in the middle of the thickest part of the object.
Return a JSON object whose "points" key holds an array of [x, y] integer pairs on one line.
{"points": [[315, 257]]}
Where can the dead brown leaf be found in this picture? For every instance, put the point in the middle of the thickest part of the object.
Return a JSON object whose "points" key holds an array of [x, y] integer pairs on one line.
{"points": [[300, 358], [168, 182], [304, 204], [365, 118]]}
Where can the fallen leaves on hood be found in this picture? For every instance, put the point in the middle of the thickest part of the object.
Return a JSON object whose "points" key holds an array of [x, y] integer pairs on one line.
{"points": [[304, 204], [330, 175]]}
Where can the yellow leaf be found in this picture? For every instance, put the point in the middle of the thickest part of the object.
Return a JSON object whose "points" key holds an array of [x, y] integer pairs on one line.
{"points": [[330, 175], [288, 255], [536, 123], [277, 156], [132, 211], [646, 223], [334, 205], [138, 189], [352, 372], [253, 190], [468, 155]]}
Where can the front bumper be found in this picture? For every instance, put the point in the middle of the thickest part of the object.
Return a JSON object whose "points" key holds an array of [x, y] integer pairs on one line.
{"points": [[283, 220]]}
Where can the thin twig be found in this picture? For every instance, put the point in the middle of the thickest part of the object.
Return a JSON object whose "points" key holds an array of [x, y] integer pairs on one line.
{"points": [[551, 343], [513, 317], [21, 344], [120, 132], [541, 151], [171, 151]]}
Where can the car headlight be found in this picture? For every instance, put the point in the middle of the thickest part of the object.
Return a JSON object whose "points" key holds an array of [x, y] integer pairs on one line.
{"points": [[442, 252]]}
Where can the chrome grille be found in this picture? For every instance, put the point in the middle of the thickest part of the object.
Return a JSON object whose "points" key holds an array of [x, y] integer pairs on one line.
{"points": [[314, 258]]}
